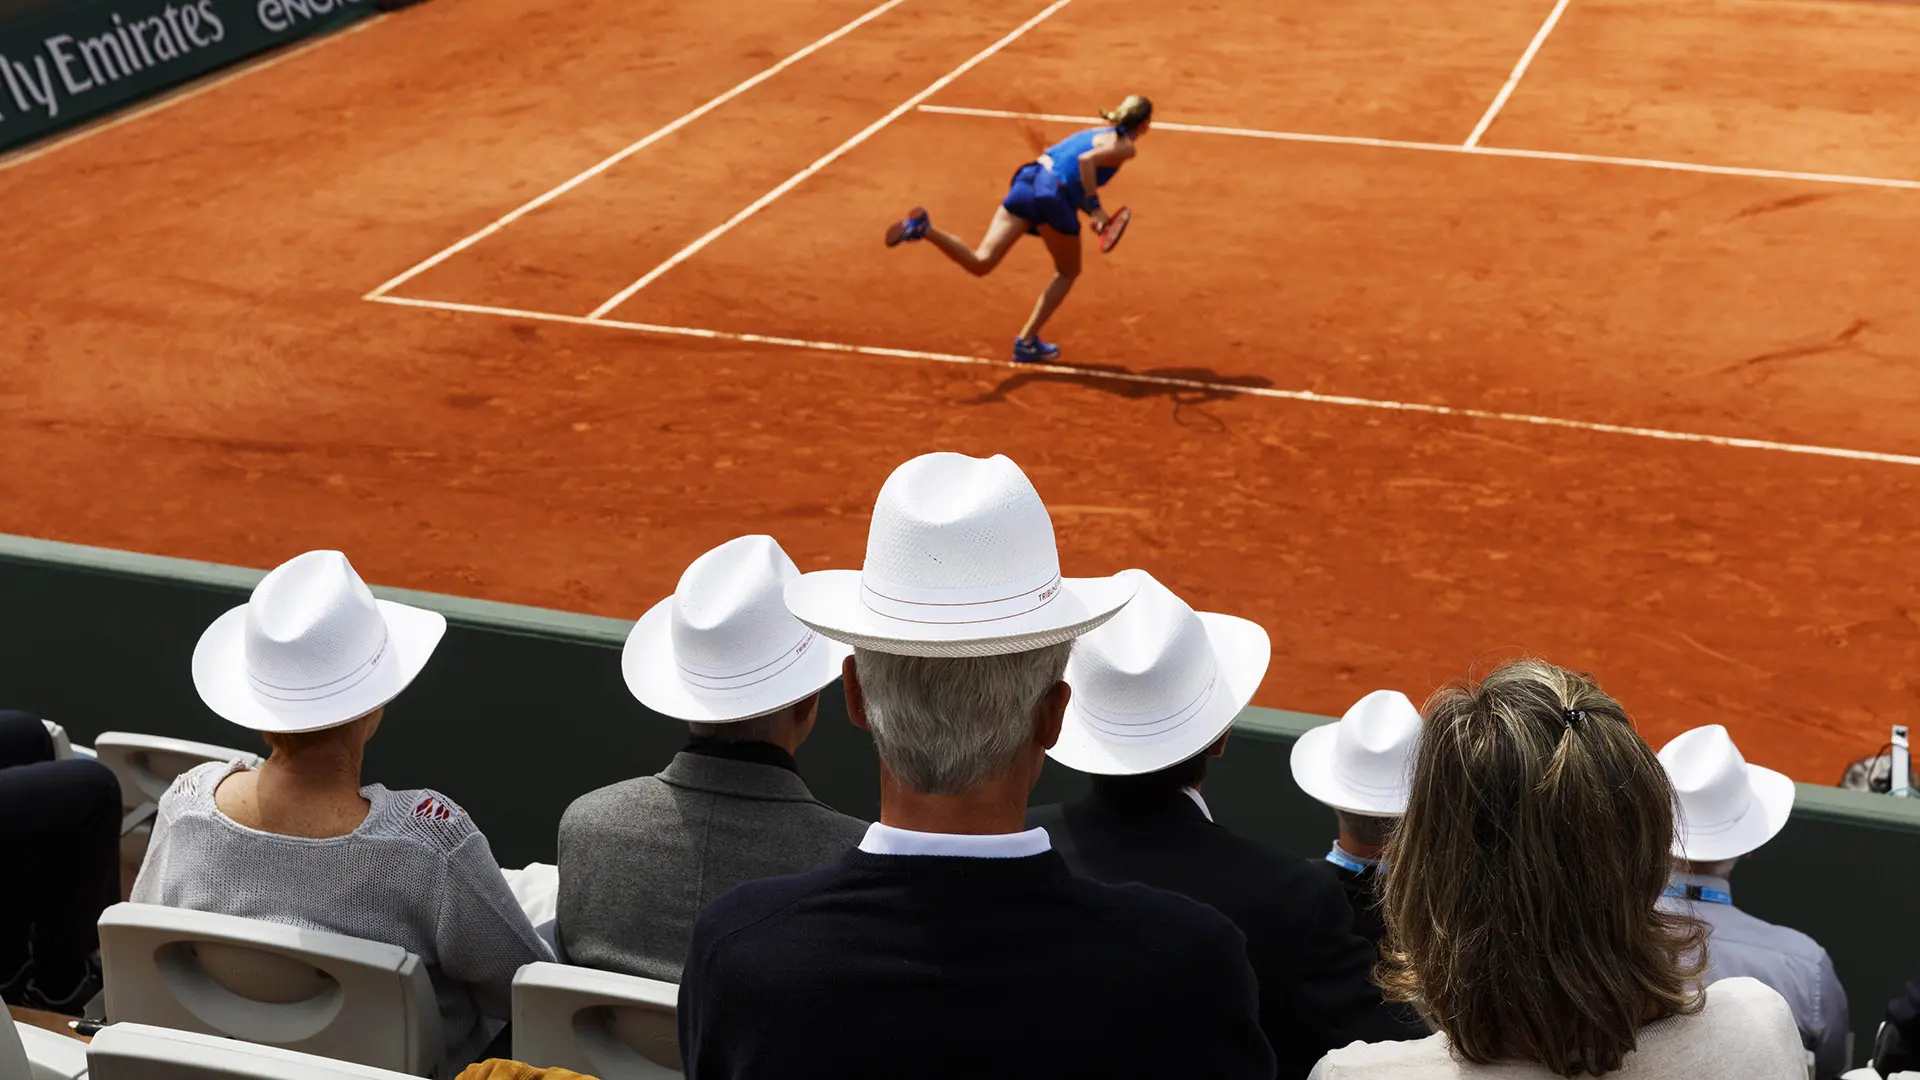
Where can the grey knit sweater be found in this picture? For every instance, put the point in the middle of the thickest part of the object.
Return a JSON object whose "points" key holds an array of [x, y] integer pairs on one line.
{"points": [[416, 874]]}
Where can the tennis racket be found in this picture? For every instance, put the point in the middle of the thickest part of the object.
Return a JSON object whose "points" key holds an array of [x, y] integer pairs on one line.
{"points": [[1116, 228]]}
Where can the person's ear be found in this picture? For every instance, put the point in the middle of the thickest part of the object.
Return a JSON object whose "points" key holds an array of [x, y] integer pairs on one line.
{"points": [[1219, 747], [1053, 713], [856, 702], [370, 723]]}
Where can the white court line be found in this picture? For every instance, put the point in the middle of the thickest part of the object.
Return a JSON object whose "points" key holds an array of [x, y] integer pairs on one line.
{"points": [[168, 102], [1173, 381], [539, 201], [1451, 148], [831, 156], [1519, 71]]}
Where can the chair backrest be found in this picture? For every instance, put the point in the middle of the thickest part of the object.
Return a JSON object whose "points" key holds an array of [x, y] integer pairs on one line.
{"points": [[62, 744], [615, 1027], [147, 764], [28, 1053], [142, 1052], [318, 993]]}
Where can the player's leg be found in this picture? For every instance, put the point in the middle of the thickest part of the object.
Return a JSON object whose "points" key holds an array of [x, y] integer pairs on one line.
{"points": [[1065, 249], [1002, 234]]}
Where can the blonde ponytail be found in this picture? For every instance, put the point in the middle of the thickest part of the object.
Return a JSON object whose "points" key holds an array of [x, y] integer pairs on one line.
{"points": [[1131, 113]]}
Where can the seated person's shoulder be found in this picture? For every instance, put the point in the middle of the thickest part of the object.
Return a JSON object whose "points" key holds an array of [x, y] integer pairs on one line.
{"points": [[196, 783], [428, 818], [615, 801], [754, 903], [1748, 1017], [1158, 921]]}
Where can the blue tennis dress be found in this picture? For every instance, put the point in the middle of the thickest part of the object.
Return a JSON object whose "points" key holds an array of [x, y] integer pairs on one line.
{"points": [[1049, 192]]}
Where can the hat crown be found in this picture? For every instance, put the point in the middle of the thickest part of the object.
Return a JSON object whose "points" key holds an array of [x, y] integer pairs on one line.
{"points": [[1375, 740], [728, 614], [949, 522], [312, 627], [1709, 775], [1153, 659]]}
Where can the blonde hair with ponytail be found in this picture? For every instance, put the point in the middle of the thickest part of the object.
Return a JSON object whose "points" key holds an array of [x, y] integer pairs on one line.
{"points": [[1130, 114]]}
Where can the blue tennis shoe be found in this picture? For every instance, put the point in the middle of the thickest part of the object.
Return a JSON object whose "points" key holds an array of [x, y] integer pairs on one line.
{"points": [[1031, 350], [911, 227]]}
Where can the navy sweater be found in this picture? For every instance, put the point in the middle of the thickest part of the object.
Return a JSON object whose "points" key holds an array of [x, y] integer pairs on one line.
{"points": [[931, 966]]}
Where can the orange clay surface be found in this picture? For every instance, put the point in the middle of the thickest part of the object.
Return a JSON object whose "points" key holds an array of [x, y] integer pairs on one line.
{"points": [[188, 367]]}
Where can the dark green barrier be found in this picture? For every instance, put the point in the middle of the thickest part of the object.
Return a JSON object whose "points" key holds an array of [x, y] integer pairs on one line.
{"points": [[80, 59], [523, 709]]}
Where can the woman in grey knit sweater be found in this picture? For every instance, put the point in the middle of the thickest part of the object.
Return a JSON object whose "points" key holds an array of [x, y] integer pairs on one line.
{"points": [[310, 662]]}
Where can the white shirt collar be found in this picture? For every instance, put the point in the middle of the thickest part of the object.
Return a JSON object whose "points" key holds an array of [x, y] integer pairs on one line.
{"points": [[1194, 794], [1350, 855], [887, 840]]}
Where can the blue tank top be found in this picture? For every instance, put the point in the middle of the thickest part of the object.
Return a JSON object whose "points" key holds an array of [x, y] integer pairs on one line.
{"points": [[1065, 156]]}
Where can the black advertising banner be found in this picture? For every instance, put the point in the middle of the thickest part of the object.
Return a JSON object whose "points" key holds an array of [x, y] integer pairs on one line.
{"points": [[82, 59]]}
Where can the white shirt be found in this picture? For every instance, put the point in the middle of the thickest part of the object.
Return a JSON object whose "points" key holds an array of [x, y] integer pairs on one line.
{"points": [[1744, 1032], [1194, 794], [887, 840]]}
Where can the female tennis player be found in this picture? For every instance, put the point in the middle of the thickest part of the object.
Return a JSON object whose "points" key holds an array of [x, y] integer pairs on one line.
{"points": [[1046, 198]]}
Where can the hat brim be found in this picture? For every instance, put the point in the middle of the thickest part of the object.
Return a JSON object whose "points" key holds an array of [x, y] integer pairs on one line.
{"points": [[829, 601], [1766, 815], [654, 677], [220, 673], [1242, 650], [1312, 765]]}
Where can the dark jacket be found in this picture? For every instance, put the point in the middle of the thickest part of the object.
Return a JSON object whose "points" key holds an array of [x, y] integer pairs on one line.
{"points": [[931, 967], [1363, 896], [1314, 972]]}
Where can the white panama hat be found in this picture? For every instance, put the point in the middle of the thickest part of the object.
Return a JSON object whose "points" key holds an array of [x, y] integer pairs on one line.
{"points": [[960, 562], [1362, 764], [1728, 808], [1157, 684], [311, 649], [723, 647]]}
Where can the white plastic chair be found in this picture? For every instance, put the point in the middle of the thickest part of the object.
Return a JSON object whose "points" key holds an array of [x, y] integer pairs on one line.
{"points": [[62, 745], [146, 766], [142, 1052], [615, 1027], [317, 993], [28, 1053]]}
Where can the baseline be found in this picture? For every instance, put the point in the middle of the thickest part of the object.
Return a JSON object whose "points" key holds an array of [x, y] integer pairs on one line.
{"points": [[822, 162], [1453, 148], [631, 149], [1662, 434]]}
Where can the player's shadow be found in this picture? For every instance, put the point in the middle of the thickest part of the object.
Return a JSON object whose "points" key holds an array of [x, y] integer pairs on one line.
{"points": [[1188, 388]]}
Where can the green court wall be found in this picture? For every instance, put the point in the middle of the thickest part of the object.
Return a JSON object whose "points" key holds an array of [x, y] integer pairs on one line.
{"points": [[523, 709]]}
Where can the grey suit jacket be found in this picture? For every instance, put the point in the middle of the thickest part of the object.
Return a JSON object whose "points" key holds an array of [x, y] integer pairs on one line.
{"points": [[639, 859]]}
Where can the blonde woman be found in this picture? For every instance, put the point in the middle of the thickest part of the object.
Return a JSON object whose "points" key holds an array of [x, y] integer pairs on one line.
{"points": [[1521, 902], [1046, 199]]}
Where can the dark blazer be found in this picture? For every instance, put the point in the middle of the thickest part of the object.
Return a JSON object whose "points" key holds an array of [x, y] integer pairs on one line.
{"points": [[933, 967], [1316, 989], [1363, 896], [639, 859]]}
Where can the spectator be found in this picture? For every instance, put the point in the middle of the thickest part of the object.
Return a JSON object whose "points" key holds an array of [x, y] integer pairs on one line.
{"points": [[1728, 809], [1360, 768], [639, 859], [1898, 1047], [1522, 904], [310, 662], [1156, 691], [951, 943], [60, 832]]}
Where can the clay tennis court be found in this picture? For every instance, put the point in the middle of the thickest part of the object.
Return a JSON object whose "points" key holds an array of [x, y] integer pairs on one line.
{"points": [[535, 302]]}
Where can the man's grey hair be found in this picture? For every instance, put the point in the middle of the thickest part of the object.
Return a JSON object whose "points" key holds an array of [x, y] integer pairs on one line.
{"points": [[947, 725]]}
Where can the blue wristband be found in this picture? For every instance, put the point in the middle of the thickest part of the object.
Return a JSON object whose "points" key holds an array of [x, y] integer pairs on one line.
{"points": [[1092, 203]]}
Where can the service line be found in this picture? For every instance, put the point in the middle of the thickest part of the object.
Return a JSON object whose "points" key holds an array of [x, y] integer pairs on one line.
{"points": [[1450, 148], [829, 158], [1308, 396], [631, 149]]}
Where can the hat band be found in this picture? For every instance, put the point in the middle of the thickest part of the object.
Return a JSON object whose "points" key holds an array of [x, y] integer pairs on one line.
{"points": [[1148, 725], [323, 691], [1723, 825], [1352, 783], [960, 607], [723, 684]]}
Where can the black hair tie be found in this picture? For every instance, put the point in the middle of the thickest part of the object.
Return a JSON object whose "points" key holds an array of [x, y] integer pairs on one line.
{"points": [[1573, 717]]}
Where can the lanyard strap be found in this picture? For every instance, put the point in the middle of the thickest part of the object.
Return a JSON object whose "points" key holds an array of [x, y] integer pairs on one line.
{"points": [[1347, 862], [1698, 892]]}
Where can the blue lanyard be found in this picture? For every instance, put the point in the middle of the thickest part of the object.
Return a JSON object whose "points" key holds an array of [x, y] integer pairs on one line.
{"points": [[1698, 892], [1347, 862]]}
